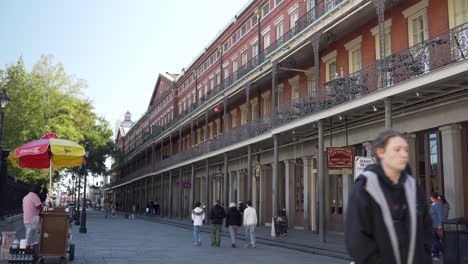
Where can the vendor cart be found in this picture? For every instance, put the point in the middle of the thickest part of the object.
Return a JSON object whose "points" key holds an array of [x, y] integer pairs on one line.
{"points": [[56, 234]]}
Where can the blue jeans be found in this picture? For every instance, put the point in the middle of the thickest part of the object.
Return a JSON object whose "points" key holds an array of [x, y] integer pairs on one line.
{"points": [[250, 234], [436, 244], [196, 234]]}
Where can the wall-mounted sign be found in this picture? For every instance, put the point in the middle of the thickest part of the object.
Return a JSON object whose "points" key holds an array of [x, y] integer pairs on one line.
{"points": [[360, 163], [258, 171], [186, 185], [339, 158], [217, 176]]}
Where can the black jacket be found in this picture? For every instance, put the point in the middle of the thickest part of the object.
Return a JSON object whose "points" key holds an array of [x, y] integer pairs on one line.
{"points": [[234, 217], [217, 214], [367, 234]]}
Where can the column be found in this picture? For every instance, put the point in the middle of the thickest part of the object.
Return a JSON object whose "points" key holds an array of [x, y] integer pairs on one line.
{"points": [[170, 194], [369, 146], [207, 193], [321, 173], [380, 8], [247, 101], [226, 181], [170, 146], [307, 177], [274, 84], [180, 193], [453, 169], [287, 187], [275, 186], [347, 188], [162, 149], [388, 112], [161, 195], [206, 126], [192, 135], [192, 191], [249, 173], [316, 45], [225, 119], [411, 139], [240, 186]]}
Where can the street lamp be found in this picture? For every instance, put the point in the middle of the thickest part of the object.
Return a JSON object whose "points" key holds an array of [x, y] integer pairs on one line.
{"points": [[77, 216], [83, 214], [4, 152]]}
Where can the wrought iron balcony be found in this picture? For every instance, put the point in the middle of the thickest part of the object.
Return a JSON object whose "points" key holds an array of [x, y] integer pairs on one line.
{"points": [[445, 49]]}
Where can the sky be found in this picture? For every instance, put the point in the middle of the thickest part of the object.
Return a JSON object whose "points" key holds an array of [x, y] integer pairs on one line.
{"points": [[117, 46]]}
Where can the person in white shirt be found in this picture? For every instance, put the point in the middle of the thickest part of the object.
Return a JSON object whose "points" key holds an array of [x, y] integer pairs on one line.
{"points": [[249, 223], [198, 216]]}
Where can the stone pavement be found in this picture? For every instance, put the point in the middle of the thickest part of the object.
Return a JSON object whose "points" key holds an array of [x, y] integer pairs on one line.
{"points": [[296, 239], [117, 240]]}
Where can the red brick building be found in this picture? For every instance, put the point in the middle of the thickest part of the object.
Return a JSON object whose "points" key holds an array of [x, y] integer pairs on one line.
{"points": [[287, 78]]}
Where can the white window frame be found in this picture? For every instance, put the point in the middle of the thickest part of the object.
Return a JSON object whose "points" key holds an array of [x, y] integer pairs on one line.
{"points": [[266, 102], [387, 32], [295, 87], [254, 107], [327, 60], [235, 64], [243, 113], [278, 2], [233, 118], [293, 15], [281, 93], [452, 6], [263, 9], [244, 59], [310, 75], [411, 13], [353, 46], [279, 25]]}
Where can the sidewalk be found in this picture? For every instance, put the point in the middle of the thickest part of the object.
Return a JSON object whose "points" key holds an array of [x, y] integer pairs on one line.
{"points": [[296, 239]]}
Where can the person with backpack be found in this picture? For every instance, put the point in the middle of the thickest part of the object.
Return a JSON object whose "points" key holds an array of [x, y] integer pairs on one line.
{"points": [[217, 215], [233, 222]]}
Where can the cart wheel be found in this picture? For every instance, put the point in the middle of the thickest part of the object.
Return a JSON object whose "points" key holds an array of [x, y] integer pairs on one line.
{"points": [[63, 260], [71, 252]]}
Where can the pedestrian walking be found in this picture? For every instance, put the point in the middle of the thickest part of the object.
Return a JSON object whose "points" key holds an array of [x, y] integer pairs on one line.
{"points": [[156, 208], [249, 223], [106, 208], [437, 214], [134, 209], [387, 219], [198, 216], [233, 222], [31, 207], [113, 207], [217, 215], [241, 207], [446, 206]]}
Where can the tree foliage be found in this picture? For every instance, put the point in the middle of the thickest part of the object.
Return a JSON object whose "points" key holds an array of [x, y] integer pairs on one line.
{"points": [[47, 99]]}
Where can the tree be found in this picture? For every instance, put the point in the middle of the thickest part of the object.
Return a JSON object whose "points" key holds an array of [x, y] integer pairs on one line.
{"points": [[47, 99]]}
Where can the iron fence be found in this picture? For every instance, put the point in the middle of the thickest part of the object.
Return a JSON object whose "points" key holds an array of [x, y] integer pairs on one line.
{"points": [[15, 192]]}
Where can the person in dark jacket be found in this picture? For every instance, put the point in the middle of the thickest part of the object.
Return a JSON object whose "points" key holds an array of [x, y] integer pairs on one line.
{"points": [[387, 219], [217, 215], [233, 222]]}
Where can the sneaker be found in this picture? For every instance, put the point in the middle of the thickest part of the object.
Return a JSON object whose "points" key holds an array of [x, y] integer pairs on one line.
{"points": [[435, 258], [247, 245], [253, 245], [199, 243], [233, 245]]}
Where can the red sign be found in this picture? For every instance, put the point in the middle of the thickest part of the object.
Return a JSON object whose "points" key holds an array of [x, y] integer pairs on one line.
{"points": [[339, 158]]}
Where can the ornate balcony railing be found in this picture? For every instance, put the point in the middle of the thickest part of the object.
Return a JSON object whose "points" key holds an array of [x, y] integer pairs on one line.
{"points": [[310, 17], [442, 50]]}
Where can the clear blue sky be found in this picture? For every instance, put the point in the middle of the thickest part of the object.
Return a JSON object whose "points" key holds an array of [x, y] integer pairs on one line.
{"points": [[117, 46]]}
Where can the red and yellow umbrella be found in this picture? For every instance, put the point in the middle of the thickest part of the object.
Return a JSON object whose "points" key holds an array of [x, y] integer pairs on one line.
{"points": [[49, 152]]}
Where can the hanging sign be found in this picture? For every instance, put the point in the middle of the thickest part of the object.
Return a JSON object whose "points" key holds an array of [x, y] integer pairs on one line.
{"points": [[186, 185], [258, 171], [217, 176], [360, 163], [339, 158]]}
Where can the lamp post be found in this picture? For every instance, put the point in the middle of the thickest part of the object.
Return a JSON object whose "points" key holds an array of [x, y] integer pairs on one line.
{"points": [[83, 213], [4, 151], [77, 217]]}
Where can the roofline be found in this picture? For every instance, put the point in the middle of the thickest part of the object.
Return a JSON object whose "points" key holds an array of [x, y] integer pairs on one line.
{"points": [[220, 33]]}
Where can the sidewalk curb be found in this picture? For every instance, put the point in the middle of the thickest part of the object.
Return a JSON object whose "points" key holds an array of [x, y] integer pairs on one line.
{"points": [[260, 240]]}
